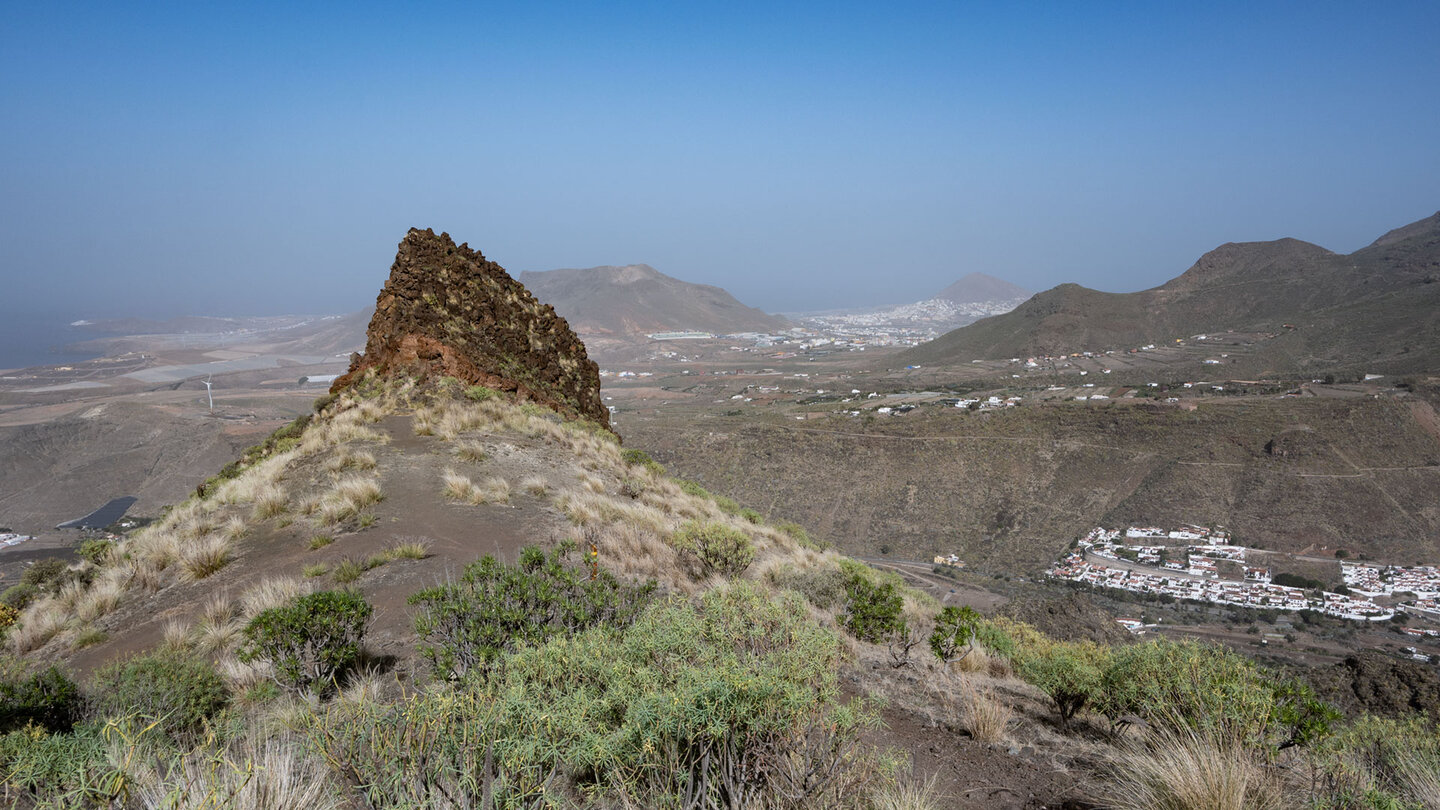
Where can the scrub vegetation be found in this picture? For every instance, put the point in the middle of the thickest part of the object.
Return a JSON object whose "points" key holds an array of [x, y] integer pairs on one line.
{"points": [[666, 648]]}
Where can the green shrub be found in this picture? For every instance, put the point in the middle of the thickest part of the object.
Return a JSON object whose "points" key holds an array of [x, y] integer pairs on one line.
{"points": [[1071, 673], [797, 533], [1380, 763], [19, 596], [954, 630], [1305, 718], [479, 393], [323, 402], [465, 626], [96, 551], [716, 547], [47, 698], [1188, 684], [752, 516], [872, 612], [310, 642], [692, 488], [642, 458], [822, 584], [180, 692], [691, 692], [56, 770], [8, 616], [43, 574]]}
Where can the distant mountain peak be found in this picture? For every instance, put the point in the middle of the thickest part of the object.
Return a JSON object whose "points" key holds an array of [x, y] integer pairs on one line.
{"points": [[636, 299], [975, 288]]}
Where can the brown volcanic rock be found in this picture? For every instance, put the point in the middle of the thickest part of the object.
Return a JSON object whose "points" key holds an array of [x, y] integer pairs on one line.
{"points": [[448, 311]]}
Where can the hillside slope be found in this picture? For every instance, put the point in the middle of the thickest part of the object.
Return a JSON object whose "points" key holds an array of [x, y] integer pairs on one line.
{"points": [[638, 299], [1008, 490], [1377, 308]]}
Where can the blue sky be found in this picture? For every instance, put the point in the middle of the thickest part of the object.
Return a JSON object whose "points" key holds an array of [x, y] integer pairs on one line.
{"points": [[267, 158]]}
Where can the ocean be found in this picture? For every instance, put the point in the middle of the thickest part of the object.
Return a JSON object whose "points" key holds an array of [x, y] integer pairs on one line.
{"points": [[33, 339]]}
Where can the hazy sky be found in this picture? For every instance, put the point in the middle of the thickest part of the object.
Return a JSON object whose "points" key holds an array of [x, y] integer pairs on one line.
{"points": [[265, 159]]}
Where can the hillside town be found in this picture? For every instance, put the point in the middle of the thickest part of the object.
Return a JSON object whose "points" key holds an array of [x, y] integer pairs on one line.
{"points": [[1138, 559]]}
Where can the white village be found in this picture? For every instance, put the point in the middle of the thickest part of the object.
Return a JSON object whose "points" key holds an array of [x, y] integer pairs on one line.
{"points": [[1204, 566]]}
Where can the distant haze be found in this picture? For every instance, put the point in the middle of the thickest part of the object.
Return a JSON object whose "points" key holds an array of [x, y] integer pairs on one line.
{"points": [[266, 158]]}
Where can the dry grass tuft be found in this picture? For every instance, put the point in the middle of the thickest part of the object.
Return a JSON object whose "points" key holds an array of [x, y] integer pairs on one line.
{"points": [[320, 541], [271, 592], [270, 501], [240, 675], [904, 794], [470, 451], [412, 550], [1189, 770], [987, 719], [460, 488], [258, 773], [347, 459], [535, 485], [39, 623], [348, 497], [204, 557], [176, 635], [102, 597], [975, 661]]}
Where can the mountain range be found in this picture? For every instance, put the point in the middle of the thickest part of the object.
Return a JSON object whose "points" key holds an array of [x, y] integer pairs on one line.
{"points": [[1377, 308], [637, 299]]}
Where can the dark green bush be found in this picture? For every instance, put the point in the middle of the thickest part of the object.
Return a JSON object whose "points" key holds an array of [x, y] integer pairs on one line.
{"points": [[19, 596], [717, 548], [954, 630], [310, 642], [465, 626], [44, 573], [96, 551], [823, 585], [699, 698], [872, 612], [1188, 684], [479, 393], [637, 456], [47, 698], [752, 516], [1071, 673], [179, 691]]}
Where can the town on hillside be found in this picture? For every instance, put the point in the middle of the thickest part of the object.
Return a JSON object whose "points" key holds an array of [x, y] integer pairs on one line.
{"points": [[1201, 564]]}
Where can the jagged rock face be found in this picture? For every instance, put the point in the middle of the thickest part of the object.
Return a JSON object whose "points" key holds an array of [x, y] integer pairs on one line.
{"points": [[448, 311]]}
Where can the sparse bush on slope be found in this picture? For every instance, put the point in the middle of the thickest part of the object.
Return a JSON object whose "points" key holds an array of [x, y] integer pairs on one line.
{"points": [[872, 612], [465, 626], [1071, 673], [310, 642], [715, 547], [179, 692], [731, 702]]}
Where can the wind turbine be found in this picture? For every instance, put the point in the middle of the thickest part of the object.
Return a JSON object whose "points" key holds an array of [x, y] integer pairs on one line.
{"points": [[208, 393]]}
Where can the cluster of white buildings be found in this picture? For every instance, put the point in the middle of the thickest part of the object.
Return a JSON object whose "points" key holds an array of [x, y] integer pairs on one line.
{"points": [[1193, 574], [1383, 580], [8, 539]]}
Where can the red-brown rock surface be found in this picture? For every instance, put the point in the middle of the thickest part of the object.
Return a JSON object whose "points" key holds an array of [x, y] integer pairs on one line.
{"points": [[448, 311]]}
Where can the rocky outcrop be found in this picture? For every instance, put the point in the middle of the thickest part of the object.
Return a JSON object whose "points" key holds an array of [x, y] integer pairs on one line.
{"points": [[448, 311]]}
